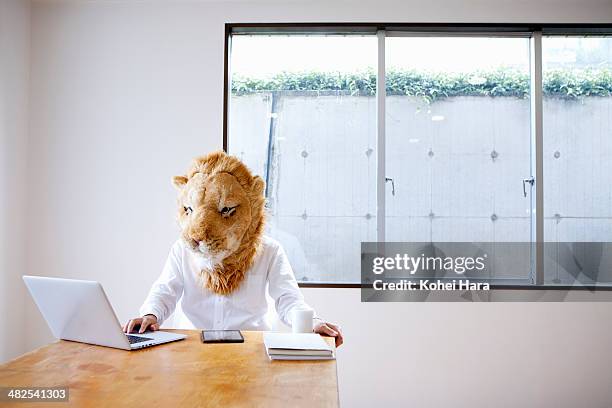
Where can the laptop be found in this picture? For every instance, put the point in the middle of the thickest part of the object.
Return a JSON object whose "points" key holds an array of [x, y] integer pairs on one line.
{"points": [[79, 310]]}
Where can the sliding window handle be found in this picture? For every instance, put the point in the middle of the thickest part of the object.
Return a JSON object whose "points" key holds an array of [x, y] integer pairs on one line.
{"points": [[529, 180], [389, 179]]}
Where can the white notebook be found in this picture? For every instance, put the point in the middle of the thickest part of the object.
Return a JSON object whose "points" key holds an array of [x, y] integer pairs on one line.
{"points": [[297, 346]]}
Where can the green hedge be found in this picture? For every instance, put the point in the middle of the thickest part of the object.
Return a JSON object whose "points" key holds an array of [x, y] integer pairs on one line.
{"points": [[434, 86]]}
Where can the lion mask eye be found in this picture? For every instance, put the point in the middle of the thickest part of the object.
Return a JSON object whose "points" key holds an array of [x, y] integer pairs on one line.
{"points": [[228, 211], [188, 210]]}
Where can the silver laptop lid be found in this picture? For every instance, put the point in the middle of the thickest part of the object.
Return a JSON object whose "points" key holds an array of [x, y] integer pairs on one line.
{"points": [[77, 310]]}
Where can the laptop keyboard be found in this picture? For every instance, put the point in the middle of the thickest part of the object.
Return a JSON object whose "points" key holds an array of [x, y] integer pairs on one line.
{"points": [[137, 339]]}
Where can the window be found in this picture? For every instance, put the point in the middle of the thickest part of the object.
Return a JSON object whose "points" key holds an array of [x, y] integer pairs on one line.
{"points": [[578, 159], [458, 143], [303, 115], [495, 134]]}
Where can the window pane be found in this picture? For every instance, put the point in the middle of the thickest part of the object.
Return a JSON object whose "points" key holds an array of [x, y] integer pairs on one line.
{"points": [[302, 115], [458, 143], [577, 159]]}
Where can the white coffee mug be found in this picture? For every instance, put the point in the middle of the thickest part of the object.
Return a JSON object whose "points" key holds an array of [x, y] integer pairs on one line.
{"points": [[301, 320]]}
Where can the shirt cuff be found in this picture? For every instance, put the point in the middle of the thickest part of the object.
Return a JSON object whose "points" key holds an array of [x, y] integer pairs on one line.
{"points": [[152, 310]]}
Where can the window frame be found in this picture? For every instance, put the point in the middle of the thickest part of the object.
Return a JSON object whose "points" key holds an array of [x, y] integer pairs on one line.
{"points": [[383, 30]]}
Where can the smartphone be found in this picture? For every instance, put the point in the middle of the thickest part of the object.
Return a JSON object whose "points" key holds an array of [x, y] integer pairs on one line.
{"points": [[222, 336]]}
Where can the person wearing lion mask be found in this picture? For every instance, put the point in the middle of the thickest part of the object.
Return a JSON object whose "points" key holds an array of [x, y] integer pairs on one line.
{"points": [[221, 266]]}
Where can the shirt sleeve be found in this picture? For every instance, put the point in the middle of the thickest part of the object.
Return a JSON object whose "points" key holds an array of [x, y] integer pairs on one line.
{"points": [[167, 289], [283, 287]]}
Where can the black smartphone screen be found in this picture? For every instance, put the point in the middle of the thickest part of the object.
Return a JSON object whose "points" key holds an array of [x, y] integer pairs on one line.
{"points": [[222, 336]]}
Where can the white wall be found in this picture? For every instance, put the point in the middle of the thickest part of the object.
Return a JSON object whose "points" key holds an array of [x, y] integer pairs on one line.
{"points": [[124, 94], [470, 354], [14, 83]]}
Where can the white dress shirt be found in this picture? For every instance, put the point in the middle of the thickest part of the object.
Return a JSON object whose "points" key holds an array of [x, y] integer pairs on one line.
{"points": [[243, 309]]}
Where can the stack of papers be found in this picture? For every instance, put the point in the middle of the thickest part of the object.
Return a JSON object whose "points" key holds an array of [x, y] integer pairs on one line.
{"points": [[297, 346]]}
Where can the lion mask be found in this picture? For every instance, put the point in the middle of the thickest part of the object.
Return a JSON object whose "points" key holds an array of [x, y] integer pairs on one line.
{"points": [[221, 215]]}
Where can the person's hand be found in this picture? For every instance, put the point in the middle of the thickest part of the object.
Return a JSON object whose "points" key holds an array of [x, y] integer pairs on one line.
{"points": [[146, 321], [328, 329]]}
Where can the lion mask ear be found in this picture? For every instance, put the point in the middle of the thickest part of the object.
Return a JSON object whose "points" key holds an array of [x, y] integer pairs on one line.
{"points": [[179, 181], [258, 186]]}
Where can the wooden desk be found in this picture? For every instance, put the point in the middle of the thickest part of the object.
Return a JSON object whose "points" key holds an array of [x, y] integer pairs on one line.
{"points": [[186, 373]]}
